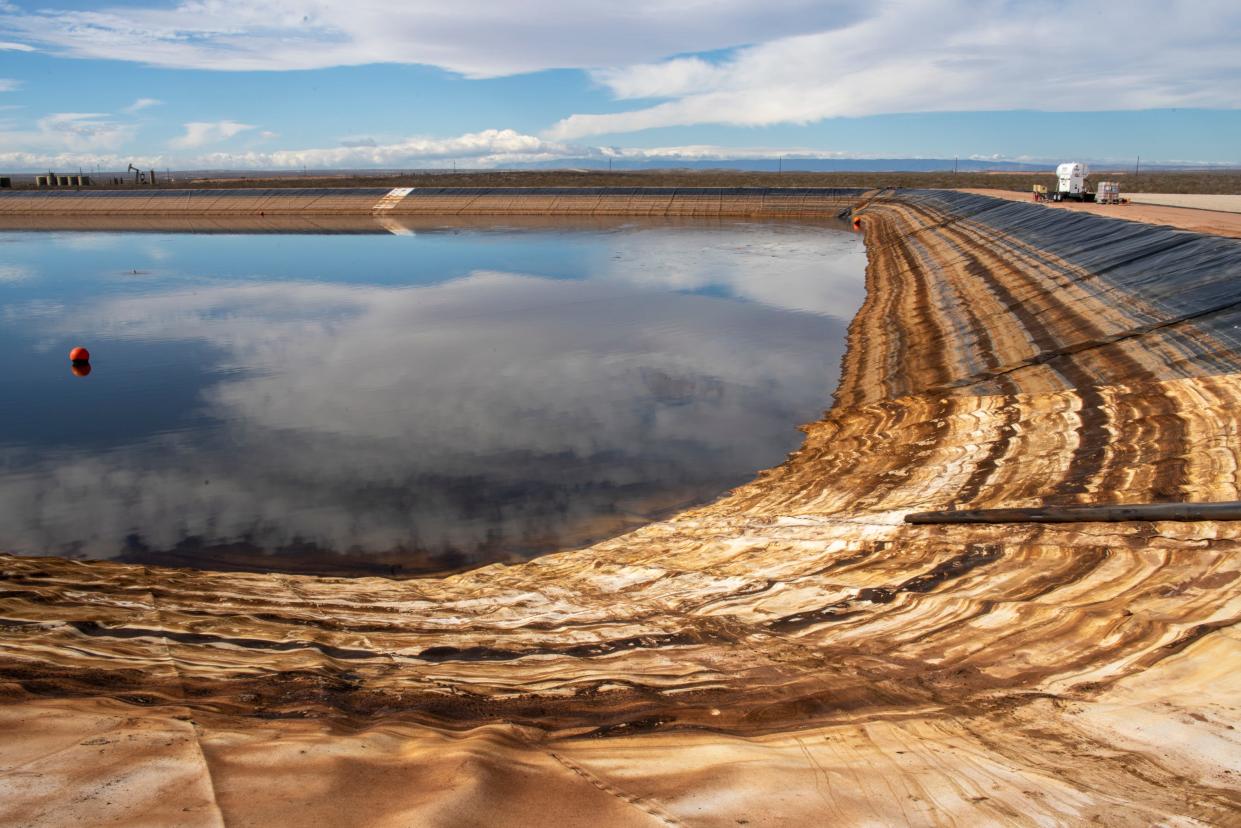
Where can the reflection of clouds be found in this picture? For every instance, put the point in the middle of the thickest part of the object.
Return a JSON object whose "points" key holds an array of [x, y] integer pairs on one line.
{"points": [[785, 266], [25, 311], [87, 241], [15, 273], [442, 416], [157, 253]]}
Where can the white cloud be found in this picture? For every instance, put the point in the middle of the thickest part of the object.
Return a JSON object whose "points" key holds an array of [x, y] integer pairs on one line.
{"points": [[479, 38], [7, 46], [708, 152], [141, 104], [946, 56], [26, 160], [45, 160], [201, 133], [63, 139], [9, 85], [785, 61], [486, 148], [84, 130]]}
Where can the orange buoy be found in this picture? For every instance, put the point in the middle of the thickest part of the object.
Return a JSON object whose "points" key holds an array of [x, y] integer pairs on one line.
{"points": [[857, 223], [79, 354], [80, 369]]}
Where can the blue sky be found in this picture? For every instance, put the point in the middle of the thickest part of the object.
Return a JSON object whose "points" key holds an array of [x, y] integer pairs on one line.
{"points": [[479, 83]]}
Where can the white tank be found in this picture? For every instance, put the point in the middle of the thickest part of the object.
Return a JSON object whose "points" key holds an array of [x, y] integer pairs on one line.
{"points": [[1072, 176]]}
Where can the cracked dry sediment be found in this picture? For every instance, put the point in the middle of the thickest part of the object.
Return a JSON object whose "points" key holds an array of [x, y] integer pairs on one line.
{"points": [[791, 654]]}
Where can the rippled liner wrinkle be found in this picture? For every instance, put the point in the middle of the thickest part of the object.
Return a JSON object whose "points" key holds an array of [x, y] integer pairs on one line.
{"points": [[791, 654]]}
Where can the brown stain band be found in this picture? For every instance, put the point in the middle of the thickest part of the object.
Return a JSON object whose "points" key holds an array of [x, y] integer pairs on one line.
{"points": [[799, 609]]}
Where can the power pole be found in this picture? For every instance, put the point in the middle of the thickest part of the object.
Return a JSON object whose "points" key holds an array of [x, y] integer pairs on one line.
{"points": [[780, 163], [955, 159]]}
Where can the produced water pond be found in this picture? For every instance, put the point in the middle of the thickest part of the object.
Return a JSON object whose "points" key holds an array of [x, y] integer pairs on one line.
{"points": [[403, 402]]}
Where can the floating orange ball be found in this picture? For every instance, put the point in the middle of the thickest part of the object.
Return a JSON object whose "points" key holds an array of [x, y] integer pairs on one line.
{"points": [[80, 369], [857, 223], [79, 354]]}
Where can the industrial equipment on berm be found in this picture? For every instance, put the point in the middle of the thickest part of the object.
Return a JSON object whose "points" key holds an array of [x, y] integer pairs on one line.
{"points": [[1071, 182], [1071, 186]]}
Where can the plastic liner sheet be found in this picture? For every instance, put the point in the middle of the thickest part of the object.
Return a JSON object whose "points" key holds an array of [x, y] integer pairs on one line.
{"points": [[1161, 276]]}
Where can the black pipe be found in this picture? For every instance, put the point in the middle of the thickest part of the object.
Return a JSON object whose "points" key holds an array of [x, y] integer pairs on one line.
{"points": [[1227, 510]]}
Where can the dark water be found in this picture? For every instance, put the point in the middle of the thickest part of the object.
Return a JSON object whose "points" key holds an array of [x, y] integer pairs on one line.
{"points": [[402, 403]]}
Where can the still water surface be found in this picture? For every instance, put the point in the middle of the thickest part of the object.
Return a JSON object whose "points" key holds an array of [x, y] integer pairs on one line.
{"points": [[402, 403]]}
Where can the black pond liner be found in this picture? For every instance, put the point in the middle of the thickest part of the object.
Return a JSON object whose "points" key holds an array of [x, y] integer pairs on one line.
{"points": [[1159, 276]]}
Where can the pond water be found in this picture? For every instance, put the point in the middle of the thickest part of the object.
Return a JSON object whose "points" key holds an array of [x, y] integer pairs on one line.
{"points": [[401, 403]]}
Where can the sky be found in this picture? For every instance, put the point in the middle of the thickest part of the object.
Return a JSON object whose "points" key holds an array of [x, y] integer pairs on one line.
{"points": [[404, 84]]}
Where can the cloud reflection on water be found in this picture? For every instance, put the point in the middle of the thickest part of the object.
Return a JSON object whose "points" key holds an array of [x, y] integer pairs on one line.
{"points": [[493, 414]]}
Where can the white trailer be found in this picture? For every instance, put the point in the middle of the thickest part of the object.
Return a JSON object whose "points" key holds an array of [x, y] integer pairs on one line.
{"points": [[1071, 182]]}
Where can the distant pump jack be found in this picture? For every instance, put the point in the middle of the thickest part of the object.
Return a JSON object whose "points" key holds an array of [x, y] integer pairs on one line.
{"points": [[141, 177]]}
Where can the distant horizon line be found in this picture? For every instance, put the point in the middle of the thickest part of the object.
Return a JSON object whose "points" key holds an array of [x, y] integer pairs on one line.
{"points": [[763, 165]]}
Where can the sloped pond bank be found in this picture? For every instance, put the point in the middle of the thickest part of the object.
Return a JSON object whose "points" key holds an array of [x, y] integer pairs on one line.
{"points": [[793, 653]]}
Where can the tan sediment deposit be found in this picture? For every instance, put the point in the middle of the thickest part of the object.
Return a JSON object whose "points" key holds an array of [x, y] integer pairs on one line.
{"points": [[793, 654]]}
